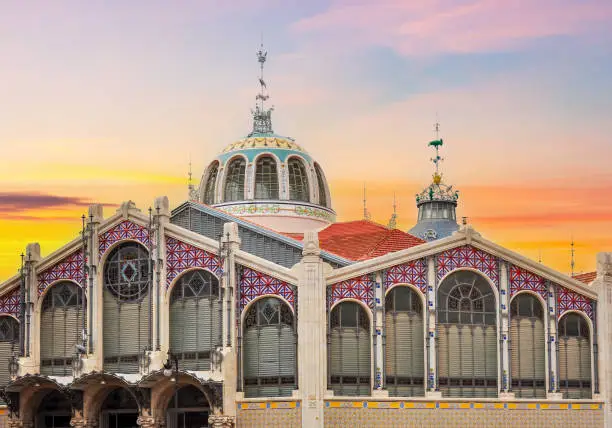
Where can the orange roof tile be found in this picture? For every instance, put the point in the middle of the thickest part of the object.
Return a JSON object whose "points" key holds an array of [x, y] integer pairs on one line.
{"points": [[587, 277], [361, 239]]}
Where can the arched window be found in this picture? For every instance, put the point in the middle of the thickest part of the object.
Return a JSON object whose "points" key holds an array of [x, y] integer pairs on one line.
{"points": [[195, 314], [209, 190], [61, 326], [269, 349], [527, 343], [54, 410], [9, 343], [266, 178], [127, 307], [119, 409], [188, 407], [349, 350], [234, 181], [467, 336], [574, 357], [322, 189], [298, 181], [404, 350]]}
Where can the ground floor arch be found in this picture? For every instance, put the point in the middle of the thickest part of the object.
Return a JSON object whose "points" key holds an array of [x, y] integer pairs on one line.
{"points": [[119, 409]]}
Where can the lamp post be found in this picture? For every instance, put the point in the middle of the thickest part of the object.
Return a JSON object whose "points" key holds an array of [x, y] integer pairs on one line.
{"points": [[171, 367]]}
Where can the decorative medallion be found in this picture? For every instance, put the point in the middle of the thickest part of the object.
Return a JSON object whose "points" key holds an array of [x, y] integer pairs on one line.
{"points": [[414, 272], [181, 256], [10, 302], [360, 288], [254, 284], [124, 230], [468, 257], [69, 268], [521, 280]]}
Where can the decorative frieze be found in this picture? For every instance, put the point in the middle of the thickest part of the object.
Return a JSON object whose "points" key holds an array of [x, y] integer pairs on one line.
{"points": [[468, 257], [359, 288], [69, 268], [254, 284], [124, 230], [182, 256], [414, 272]]}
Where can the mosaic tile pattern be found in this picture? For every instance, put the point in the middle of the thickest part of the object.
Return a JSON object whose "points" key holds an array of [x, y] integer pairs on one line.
{"points": [[470, 257], [570, 300], [413, 272], [10, 302], [269, 414], [360, 288], [254, 284], [69, 268], [181, 256], [124, 230], [520, 280]]}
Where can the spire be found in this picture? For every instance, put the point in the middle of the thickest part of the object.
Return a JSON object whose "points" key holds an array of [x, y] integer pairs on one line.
{"points": [[366, 213], [262, 117], [190, 187], [436, 144], [393, 220], [572, 261]]}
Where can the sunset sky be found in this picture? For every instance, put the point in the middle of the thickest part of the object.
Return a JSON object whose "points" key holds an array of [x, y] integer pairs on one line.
{"points": [[105, 101]]}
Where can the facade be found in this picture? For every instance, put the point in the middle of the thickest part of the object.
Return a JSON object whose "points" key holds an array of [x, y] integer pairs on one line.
{"points": [[248, 305]]}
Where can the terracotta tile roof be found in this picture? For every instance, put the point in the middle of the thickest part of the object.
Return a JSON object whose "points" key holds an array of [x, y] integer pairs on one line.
{"points": [[361, 239], [587, 277]]}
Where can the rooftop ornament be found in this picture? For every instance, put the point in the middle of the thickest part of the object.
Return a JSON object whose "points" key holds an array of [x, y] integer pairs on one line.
{"points": [[262, 117]]}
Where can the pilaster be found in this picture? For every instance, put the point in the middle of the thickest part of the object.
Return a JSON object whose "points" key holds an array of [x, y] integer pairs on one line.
{"points": [[603, 286], [553, 365], [430, 312], [379, 358], [504, 328], [29, 362], [92, 361], [312, 343]]}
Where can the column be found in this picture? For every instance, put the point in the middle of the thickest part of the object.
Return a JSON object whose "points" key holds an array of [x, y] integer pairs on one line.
{"points": [[430, 321], [28, 362], [312, 340], [377, 333], [504, 338], [603, 286], [551, 324], [93, 297]]}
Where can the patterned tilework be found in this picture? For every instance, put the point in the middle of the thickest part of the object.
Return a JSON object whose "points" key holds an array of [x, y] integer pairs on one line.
{"points": [[359, 288], [570, 300], [462, 414], [521, 280], [470, 257], [254, 284], [276, 414], [69, 268], [413, 272], [124, 230], [9, 302], [181, 256]]}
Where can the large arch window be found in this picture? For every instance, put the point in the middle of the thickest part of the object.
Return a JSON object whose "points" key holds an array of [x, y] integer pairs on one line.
{"points": [[9, 341], [119, 409], [467, 336], [527, 343], [209, 189], [187, 408], [322, 188], [269, 349], [266, 178], [298, 181], [195, 314], [404, 350], [349, 350], [61, 324], [234, 181], [54, 411], [127, 307], [574, 356]]}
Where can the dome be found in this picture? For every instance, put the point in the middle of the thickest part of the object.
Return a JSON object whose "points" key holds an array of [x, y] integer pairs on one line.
{"points": [[270, 180], [437, 205]]}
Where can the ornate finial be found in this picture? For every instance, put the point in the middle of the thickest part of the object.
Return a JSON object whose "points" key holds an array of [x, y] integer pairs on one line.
{"points": [[572, 251], [436, 144], [393, 220], [262, 117], [366, 214], [193, 195]]}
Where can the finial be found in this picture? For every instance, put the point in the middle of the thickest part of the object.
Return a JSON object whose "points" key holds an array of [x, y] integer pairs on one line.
{"points": [[539, 256], [366, 214], [572, 251], [190, 187], [464, 221], [393, 220], [262, 117], [436, 144]]}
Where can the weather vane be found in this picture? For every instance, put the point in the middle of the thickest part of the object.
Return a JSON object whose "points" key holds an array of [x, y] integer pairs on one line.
{"points": [[262, 117], [436, 144]]}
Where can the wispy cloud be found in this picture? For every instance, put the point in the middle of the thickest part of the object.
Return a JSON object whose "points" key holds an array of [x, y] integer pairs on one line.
{"points": [[431, 26], [15, 202]]}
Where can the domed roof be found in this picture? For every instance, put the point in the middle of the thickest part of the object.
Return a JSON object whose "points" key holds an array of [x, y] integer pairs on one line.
{"points": [[264, 141]]}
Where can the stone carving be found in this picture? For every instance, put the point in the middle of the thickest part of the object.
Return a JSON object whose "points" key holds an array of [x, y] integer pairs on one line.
{"points": [[311, 244], [604, 265], [221, 421], [146, 420]]}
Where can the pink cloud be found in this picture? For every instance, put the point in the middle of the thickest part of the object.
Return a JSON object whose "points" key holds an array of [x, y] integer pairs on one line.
{"points": [[430, 26]]}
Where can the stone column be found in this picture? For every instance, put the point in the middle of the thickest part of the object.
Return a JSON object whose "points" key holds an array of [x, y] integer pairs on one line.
{"points": [[432, 390], [504, 327], [312, 341], [95, 217], [551, 326], [603, 286], [379, 367], [29, 361]]}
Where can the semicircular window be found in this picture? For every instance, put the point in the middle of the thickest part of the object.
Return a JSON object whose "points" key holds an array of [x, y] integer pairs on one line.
{"points": [[467, 336], [270, 343], [209, 190], [266, 178], [234, 181], [298, 181], [322, 187], [127, 308]]}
